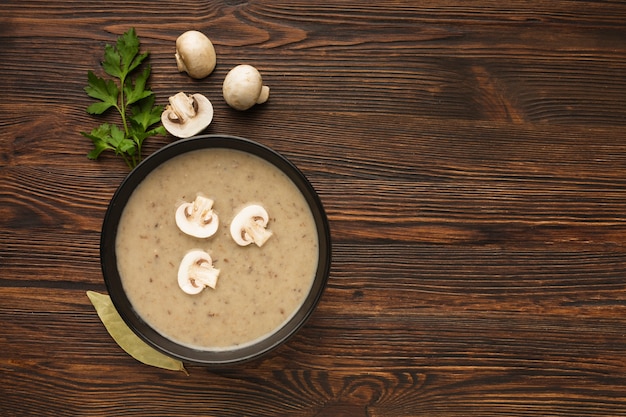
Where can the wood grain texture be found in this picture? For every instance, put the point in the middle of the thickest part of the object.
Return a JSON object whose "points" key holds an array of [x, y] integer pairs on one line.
{"points": [[471, 157]]}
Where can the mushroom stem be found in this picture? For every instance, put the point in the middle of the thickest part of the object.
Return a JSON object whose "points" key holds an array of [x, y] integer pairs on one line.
{"points": [[263, 95], [202, 274], [183, 107], [257, 232], [201, 210]]}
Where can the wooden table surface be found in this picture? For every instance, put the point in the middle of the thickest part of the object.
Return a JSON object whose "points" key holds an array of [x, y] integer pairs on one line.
{"points": [[471, 156]]}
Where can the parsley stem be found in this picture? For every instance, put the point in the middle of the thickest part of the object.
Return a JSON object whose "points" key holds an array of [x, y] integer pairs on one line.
{"points": [[122, 105], [130, 164], [138, 143]]}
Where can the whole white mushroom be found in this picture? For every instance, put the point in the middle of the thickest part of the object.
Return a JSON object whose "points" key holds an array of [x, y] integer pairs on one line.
{"points": [[243, 87], [195, 54]]}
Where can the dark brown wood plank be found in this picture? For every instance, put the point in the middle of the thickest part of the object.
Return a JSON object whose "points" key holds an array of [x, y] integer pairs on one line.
{"points": [[471, 159]]}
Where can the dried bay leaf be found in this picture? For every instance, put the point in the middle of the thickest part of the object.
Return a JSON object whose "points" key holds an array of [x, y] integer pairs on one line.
{"points": [[126, 339]]}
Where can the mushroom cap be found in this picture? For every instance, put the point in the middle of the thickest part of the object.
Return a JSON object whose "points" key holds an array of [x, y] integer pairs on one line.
{"points": [[196, 272], [187, 115], [243, 87], [248, 226], [195, 54], [197, 218]]}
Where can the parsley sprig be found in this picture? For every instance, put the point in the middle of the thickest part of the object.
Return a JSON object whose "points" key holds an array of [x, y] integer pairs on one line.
{"points": [[130, 97]]}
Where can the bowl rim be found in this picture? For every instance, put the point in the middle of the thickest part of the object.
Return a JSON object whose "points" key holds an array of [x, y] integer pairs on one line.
{"points": [[108, 258]]}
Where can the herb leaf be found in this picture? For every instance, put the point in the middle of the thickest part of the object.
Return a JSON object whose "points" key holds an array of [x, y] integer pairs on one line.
{"points": [[101, 89], [99, 137], [111, 63], [128, 45], [126, 339], [145, 114], [130, 97], [137, 90]]}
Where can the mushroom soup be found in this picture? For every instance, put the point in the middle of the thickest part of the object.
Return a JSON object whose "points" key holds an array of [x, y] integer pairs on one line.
{"points": [[258, 288]]}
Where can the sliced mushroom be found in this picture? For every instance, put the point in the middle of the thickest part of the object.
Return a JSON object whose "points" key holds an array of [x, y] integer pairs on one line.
{"points": [[196, 272], [249, 226], [197, 218], [187, 115]]}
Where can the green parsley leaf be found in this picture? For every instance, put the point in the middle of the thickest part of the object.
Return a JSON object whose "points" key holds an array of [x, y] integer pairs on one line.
{"points": [[145, 114], [137, 91], [122, 144], [128, 45], [111, 63], [134, 102], [101, 89], [100, 138]]}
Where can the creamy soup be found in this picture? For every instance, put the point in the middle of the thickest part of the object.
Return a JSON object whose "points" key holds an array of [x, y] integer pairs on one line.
{"points": [[258, 288]]}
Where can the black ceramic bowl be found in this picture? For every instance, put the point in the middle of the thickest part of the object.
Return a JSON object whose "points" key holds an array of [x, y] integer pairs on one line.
{"points": [[114, 284]]}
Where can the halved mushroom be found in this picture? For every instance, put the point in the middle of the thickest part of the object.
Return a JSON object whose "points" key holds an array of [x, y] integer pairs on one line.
{"points": [[197, 218], [249, 226], [187, 115], [196, 272]]}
